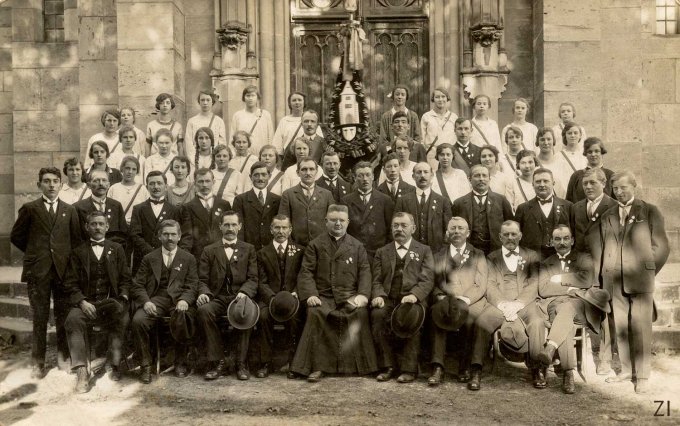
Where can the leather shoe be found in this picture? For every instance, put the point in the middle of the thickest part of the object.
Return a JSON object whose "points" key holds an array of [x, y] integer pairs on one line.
{"points": [[38, 371], [464, 376], [619, 378], [83, 381], [285, 368], [642, 386], [475, 380], [145, 376], [385, 375], [315, 376], [603, 368], [181, 370], [547, 354], [406, 378], [568, 385], [215, 371], [436, 378], [262, 372], [242, 372], [291, 375], [539, 378], [116, 374]]}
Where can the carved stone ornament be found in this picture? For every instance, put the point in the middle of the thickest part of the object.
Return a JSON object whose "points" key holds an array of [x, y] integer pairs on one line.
{"points": [[486, 36], [233, 33]]}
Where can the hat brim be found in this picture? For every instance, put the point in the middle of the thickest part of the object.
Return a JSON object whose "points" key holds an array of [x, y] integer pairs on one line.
{"points": [[182, 326], [276, 317], [250, 321], [406, 332], [586, 296], [443, 321]]}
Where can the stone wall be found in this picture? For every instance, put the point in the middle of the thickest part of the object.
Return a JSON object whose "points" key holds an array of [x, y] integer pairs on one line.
{"points": [[6, 146], [605, 58]]}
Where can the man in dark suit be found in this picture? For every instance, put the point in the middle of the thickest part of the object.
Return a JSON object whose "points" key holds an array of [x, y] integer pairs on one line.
{"points": [[227, 271], [167, 280], [633, 249], [394, 186], [465, 154], [460, 271], [147, 215], [484, 210], [278, 266], [317, 144], [430, 210], [540, 215], [257, 207], [511, 291], [97, 275], [331, 180], [202, 216], [46, 231], [560, 276], [402, 273], [306, 204], [99, 185], [401, 129], [585, 215], [370, 212], [335, 282]]}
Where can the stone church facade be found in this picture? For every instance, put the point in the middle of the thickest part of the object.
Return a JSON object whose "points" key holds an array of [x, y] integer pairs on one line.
{"points": [[63, 62]]}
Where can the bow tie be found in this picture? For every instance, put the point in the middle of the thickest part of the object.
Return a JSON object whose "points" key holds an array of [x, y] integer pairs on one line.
{"points": [[510, 253], [152, 201], [546, 201], [97, 243], [230, 245]]}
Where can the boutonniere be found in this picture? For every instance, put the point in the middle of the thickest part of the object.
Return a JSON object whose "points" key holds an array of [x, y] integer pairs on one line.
{"points": [[63, 215], [465, 257], [218, 211], [521, 262], [178, 267], [414, 256], [349, 260], [292, 249], [632, 219], [108, 253], [108, 211], [594, 218], [558, 209]]}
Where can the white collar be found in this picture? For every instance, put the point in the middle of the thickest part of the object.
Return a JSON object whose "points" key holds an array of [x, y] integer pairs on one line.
{"points": [[453, 248], [47, 201], [394, 111], [283, 244], [506, 251], [166, 252], [563, 257], [427, 191], [99, 200], [263, 191], [407, 244], [597, 200], [328, 178]]}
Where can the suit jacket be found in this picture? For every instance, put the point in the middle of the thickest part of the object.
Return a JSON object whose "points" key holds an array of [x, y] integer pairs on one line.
{"points": [[578, 272], [530, 218], [439, 209], [641, 246], [118, 228], [467, 278], [182, 282], [498, 210], [575, 190], [45, 244], [77, 285], [316, 148], [339, 276], [201, 227], [143, 226], [307, 216], [256, 218], [465, 162], [402, 189], [370, 223], [526, 289], [342, 188], [271, 281], [582, 226], [213, 265], [418, 274]]}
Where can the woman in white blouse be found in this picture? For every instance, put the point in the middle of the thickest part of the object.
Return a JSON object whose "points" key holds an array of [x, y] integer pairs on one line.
{"points": [[256, 121], [129, 192], [227, 180], [290, 126], [75, 188], [529, 130], [499, 182], [448, 181], [524, 183], [570, 158], [545, 142]]}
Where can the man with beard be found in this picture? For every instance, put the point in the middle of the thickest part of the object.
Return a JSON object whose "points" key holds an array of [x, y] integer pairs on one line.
{"points": [[331, 180], [335, 283]]}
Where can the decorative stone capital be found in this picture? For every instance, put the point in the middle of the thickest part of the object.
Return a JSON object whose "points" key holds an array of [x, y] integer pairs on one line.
{"points": [[486, 35], [233, 34]]}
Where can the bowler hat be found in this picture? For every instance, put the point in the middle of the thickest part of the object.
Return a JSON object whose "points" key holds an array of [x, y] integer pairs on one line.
{"points": [[283, 306], [243, 313], [450, 313], [514, 337], [407, 318], [598, 303], [182, 325], [108, 310]]}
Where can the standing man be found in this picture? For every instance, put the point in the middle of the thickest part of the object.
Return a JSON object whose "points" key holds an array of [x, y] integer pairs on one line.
{"points": [[402, 273], [46, 231], [465, 154], [586, 214], [335, 283], [484, 211], [166, 281], [634, 248], [257, 207], [202, 216], [540, 215], [227, 271], [96, 286], [393, 186], [306, 204], [370, 212], [431, 211], [316, 143], [331, 180]]}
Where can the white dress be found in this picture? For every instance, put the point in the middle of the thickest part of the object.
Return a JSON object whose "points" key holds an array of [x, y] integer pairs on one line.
{"points": [[287, 131], [524, 191], [123, 194], [457, 184], [196, 122], [117, 158], [529, 132], [233, 186], [258, 124], [559, 146], [156, 162], [434, 126], [563, 169], [490, 129], [501, 183], [290, 178], [111, 142], [175, 128], [276, 188], [70, 195]]}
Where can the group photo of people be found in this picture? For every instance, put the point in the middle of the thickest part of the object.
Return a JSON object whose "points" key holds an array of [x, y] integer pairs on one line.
{"points": [[250, 243]]}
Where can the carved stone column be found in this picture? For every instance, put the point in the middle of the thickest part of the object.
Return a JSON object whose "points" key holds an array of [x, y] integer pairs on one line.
{"points": [[485, 68]]}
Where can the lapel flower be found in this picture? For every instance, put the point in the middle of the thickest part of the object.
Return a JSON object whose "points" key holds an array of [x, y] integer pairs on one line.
{"points": [[178, 267], [631, 220], [63, 215], [292, 249], [414, 256], [521, 262], [465, 257], [558, 210], [349, 260], [108, 216], [108, 253], [108, 211], [370, 207], [594, 218], [234, 258]]}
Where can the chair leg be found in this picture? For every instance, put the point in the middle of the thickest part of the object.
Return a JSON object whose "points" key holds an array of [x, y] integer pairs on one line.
{"points": [[89, 351], [496, 350], [158, 349]]}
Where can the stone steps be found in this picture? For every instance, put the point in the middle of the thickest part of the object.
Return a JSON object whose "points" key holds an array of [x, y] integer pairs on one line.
{"points": [[18, 331]]}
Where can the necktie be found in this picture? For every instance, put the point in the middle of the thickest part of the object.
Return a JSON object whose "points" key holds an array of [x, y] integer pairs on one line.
{"points": [[100, 205], [546, 201], [590, 210], [510, 253], [458, 257], [422, 201], [365, 197], [206, 202], [480, 199], [624, 211], [160, 201], [260, 197], [280, 251], [97, 243], [169, 260], [53, 211], [393, 188], [332, 184]]}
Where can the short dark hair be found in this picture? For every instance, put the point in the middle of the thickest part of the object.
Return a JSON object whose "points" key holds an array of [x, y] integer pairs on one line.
{"points": [[96, 213], [389, 157], [488, 99], [231, 213], [163, 96], [362, 165], [527, 153], [442, 147], [598, 172], [206, 92], [100, 144], [515, 130], [155, 173], [70, 162], [400, 86], [250, 89], [306, 159], [258, 165], [48, 170], [181, 159], [440, 89], [592, 140], [397, 215], [129, 158], [125, 128], [241, 133], [281, 216], [304, 98], [460, 120], [568, 126], [399, 114], [542, 131], [168, 223], [561, 226], [337, 208], [540, 170], [203, 171], [491, 148]]}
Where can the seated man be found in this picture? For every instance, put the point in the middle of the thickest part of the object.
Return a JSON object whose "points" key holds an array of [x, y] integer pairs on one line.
{"points": [[402, 273], [227, 271], [278, 266], [511, 293], [561, 274], [166, 281], [96, 283], [335, 282], [460, 271]]}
